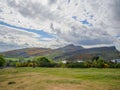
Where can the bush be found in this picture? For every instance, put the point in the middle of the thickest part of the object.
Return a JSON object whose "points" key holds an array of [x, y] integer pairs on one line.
{"points": [[87, 64], [44, 62], [98, 63], [18, 64], [30, 64], [111, 65], [117, 65], [12, 63], [75, 65], [106, 65], [2, 61], [62, 65]]}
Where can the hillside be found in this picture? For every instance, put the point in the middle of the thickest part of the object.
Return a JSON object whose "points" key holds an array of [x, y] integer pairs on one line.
{"points": [[27, 52], [107, 53], [70, 52], [81, 53]]}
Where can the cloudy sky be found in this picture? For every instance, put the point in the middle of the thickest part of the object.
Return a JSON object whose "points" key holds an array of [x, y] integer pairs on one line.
{"points": [[56, 23]]}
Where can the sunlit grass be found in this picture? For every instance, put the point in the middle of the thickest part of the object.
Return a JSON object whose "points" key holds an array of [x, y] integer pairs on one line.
{"points": [[56, 78]]}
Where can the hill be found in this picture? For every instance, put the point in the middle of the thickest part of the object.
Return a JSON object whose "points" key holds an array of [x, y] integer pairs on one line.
{"points": [[107, 53], [27, 52], [69, 52]]}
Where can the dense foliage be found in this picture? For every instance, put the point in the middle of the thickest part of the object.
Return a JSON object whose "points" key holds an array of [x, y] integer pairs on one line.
{"points": [[39, 61], [43, 62], [2, 61]]}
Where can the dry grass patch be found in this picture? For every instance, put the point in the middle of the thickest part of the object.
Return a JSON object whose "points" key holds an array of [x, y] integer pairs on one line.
{"points": [[57, 79]]}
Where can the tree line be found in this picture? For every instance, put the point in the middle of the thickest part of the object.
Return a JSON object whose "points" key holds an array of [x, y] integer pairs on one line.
{"points": [[39, 61]]}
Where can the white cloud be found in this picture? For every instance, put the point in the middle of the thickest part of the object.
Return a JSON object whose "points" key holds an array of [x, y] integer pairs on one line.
{"points": [[55, 17], [14, 38]]}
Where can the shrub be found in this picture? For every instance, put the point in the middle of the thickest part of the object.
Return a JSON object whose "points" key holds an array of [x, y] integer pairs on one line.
{"points": [[30, 65], [63, 65], [2, 61], [75, 65], [12, 63], [98, 63], [43, 62], [87, 64], [117, 65], [106, 65], [18, 64]]}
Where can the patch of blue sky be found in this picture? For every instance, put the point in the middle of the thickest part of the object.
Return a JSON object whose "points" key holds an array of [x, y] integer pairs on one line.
{"points": [[74, 17], [85, 22], [40, 32]]}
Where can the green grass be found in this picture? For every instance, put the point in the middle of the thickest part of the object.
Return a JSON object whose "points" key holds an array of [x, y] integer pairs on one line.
{"points": [[15, 59], [56, 78]]}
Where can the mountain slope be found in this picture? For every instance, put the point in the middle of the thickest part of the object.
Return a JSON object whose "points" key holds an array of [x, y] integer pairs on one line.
{"points": [[70, 52], [27, 52], [85, 54], [70, 48], [61, 51]]}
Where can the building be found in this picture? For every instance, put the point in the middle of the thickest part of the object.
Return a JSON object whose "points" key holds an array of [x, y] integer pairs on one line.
{"points": [[64, 61], [115, 60]]}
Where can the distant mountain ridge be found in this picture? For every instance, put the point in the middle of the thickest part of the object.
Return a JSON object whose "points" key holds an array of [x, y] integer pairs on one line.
{"points": [[105, 52], [71, 47], [27, 52], [69, 52]]}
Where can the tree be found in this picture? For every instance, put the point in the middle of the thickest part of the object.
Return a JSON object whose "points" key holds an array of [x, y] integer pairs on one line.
{"points": [[88, 64], [2, 61], [75, 65], [21, 59], [99, 63], [95, 58], [43, 62]]}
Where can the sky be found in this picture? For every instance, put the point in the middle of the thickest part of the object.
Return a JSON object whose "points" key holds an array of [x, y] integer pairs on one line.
{"points": [[56, 23]]}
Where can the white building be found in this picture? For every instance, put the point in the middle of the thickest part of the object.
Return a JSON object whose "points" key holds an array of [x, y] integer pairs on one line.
{"points": [[64, 61], [115, 60], [79, 61]]}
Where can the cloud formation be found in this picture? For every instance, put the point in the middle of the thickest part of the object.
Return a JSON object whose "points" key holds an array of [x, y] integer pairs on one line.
{"points": [[81, 22]]}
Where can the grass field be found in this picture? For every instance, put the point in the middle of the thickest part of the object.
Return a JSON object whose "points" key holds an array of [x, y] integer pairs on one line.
{"points": [[59, 79], [14, 59]]}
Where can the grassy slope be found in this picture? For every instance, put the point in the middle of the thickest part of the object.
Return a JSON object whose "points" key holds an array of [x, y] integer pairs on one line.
{"points": [[15, 59], [59, 79]]}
